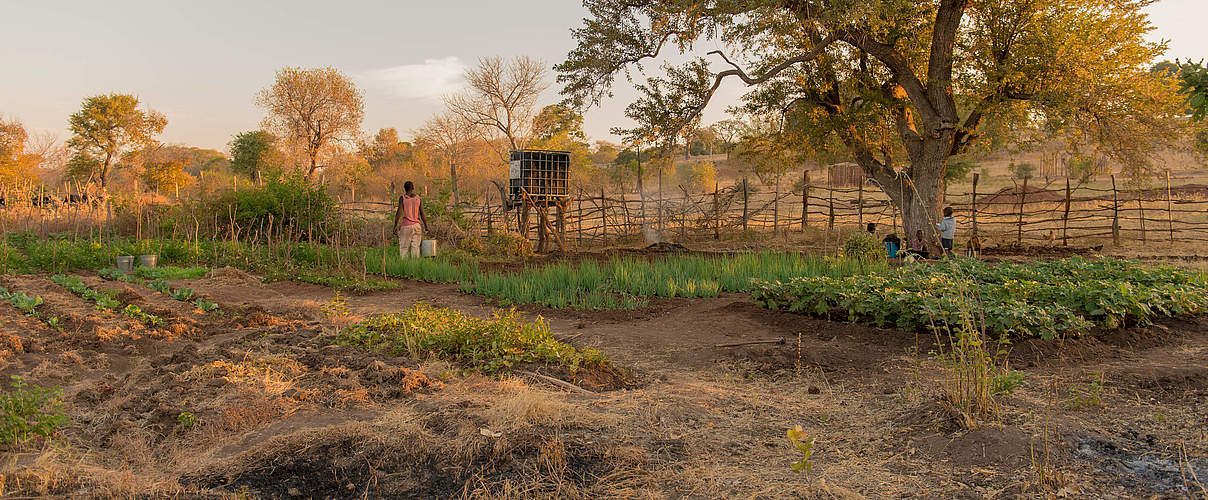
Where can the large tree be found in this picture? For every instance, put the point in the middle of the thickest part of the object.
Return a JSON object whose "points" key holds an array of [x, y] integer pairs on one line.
{"points": [[903, 85], [452, 137], [314, 108], [108, 127], [255, 152], [15, 167], [501, 98]]}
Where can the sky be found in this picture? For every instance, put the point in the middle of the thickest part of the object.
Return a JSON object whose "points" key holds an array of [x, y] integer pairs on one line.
{"points": [[201, 63]]}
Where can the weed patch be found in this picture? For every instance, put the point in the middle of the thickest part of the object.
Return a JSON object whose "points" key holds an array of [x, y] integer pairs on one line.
{"points": [[482, 345]]}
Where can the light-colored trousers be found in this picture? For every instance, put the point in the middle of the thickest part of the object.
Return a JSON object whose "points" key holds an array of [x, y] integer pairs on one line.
{"points": [[408, 240]]}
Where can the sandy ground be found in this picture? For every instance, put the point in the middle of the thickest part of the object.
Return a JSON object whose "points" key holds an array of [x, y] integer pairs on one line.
{"points": [[281, 412]]}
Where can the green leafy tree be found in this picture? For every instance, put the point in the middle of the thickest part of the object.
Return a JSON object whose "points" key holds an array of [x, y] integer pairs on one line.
{"points": [[902, 85], [105, 129], [314, 108], [253, 152], [1022, 171], [1193, 81], [560, 128]]}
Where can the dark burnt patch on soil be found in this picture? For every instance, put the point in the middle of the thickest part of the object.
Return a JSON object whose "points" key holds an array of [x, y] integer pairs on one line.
{"points": [[406, 463], [1139, 462]]}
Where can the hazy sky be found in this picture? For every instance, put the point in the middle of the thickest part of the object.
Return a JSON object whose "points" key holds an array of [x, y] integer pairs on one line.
{"points": [[201, 63]]}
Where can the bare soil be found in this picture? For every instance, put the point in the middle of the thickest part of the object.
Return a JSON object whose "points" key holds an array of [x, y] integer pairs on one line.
{"points": [[282, 412]]}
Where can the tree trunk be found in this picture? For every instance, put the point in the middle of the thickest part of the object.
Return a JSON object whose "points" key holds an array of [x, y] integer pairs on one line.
{"points": [[314, 164], [921, 200], [453, 182]]}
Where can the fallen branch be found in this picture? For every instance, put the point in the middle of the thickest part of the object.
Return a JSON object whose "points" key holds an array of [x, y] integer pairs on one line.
{"points": [[560, 383], [777, 340]]}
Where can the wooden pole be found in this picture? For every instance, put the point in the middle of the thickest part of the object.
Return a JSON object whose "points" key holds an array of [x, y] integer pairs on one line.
{"points": [[604, 213], [745, 196], [1169, 208], [1019, 225], [1115, 213], [716, 214], [1065, 218], [830, 200], [684, 217], [860, 202], [1141, 209], [579, 220], [805, 199], [976, 177], [776, 207]]}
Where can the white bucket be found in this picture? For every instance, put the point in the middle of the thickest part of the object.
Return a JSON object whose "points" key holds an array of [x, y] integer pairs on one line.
{"points": [[427, 248], [125, 263]]}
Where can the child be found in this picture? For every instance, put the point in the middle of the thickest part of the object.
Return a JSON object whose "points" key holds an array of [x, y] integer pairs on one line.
{"points": [[947, 227], [918, 246]]}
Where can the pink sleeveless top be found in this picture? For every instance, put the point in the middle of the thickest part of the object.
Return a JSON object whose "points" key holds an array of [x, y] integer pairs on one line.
{"points": [[410, 210]]}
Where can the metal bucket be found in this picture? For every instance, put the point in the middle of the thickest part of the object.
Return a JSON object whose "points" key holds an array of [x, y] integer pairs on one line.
{"points": [[147, 260], [427, 248], [125, 263]]}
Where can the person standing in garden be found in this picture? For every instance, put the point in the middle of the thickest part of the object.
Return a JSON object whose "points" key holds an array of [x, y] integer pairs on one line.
{"points": [[947, 227], [407, 222]]}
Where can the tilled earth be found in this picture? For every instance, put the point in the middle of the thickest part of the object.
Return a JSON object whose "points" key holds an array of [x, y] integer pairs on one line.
{"points": [[256, 399]]}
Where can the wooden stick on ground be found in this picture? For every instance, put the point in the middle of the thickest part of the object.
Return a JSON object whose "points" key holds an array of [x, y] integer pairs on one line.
{"points": [[777, 340], [560, 383]]}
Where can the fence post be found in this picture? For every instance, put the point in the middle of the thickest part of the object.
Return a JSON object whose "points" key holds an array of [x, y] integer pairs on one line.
{"points": [[776, 208], [976, 177], [1065, 218], [745, 197], [1019, 225], [716, 214], [579, 219], [1115, 213], [604, 214], [860, 203], [830, 223], [1141, 209], [1169, 208], [805, 199]]}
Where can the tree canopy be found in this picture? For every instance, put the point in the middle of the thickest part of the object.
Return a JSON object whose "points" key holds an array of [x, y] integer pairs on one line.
{"points": [[313, 108], [901, 85], [501, 98], [106, 128], [253, 152]]}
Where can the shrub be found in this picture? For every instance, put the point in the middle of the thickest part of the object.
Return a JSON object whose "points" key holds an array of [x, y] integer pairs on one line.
{"points": [[29, 411], [696, 176], [507, 244], [863, 247], [485, 345], [286, 202]]}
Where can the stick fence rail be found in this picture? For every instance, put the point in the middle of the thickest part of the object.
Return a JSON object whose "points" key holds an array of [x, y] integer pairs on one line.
{"points": [[1057, 213]]}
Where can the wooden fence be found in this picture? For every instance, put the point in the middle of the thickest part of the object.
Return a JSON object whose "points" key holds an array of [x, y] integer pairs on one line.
{"points": [[1056, 213]]}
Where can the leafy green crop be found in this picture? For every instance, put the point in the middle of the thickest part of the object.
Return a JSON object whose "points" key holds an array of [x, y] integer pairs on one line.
{"points": [[104, 300], [1043, 299], [485, 345], [170, 272], [26, 412], [205, 305], [136, 312]]}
